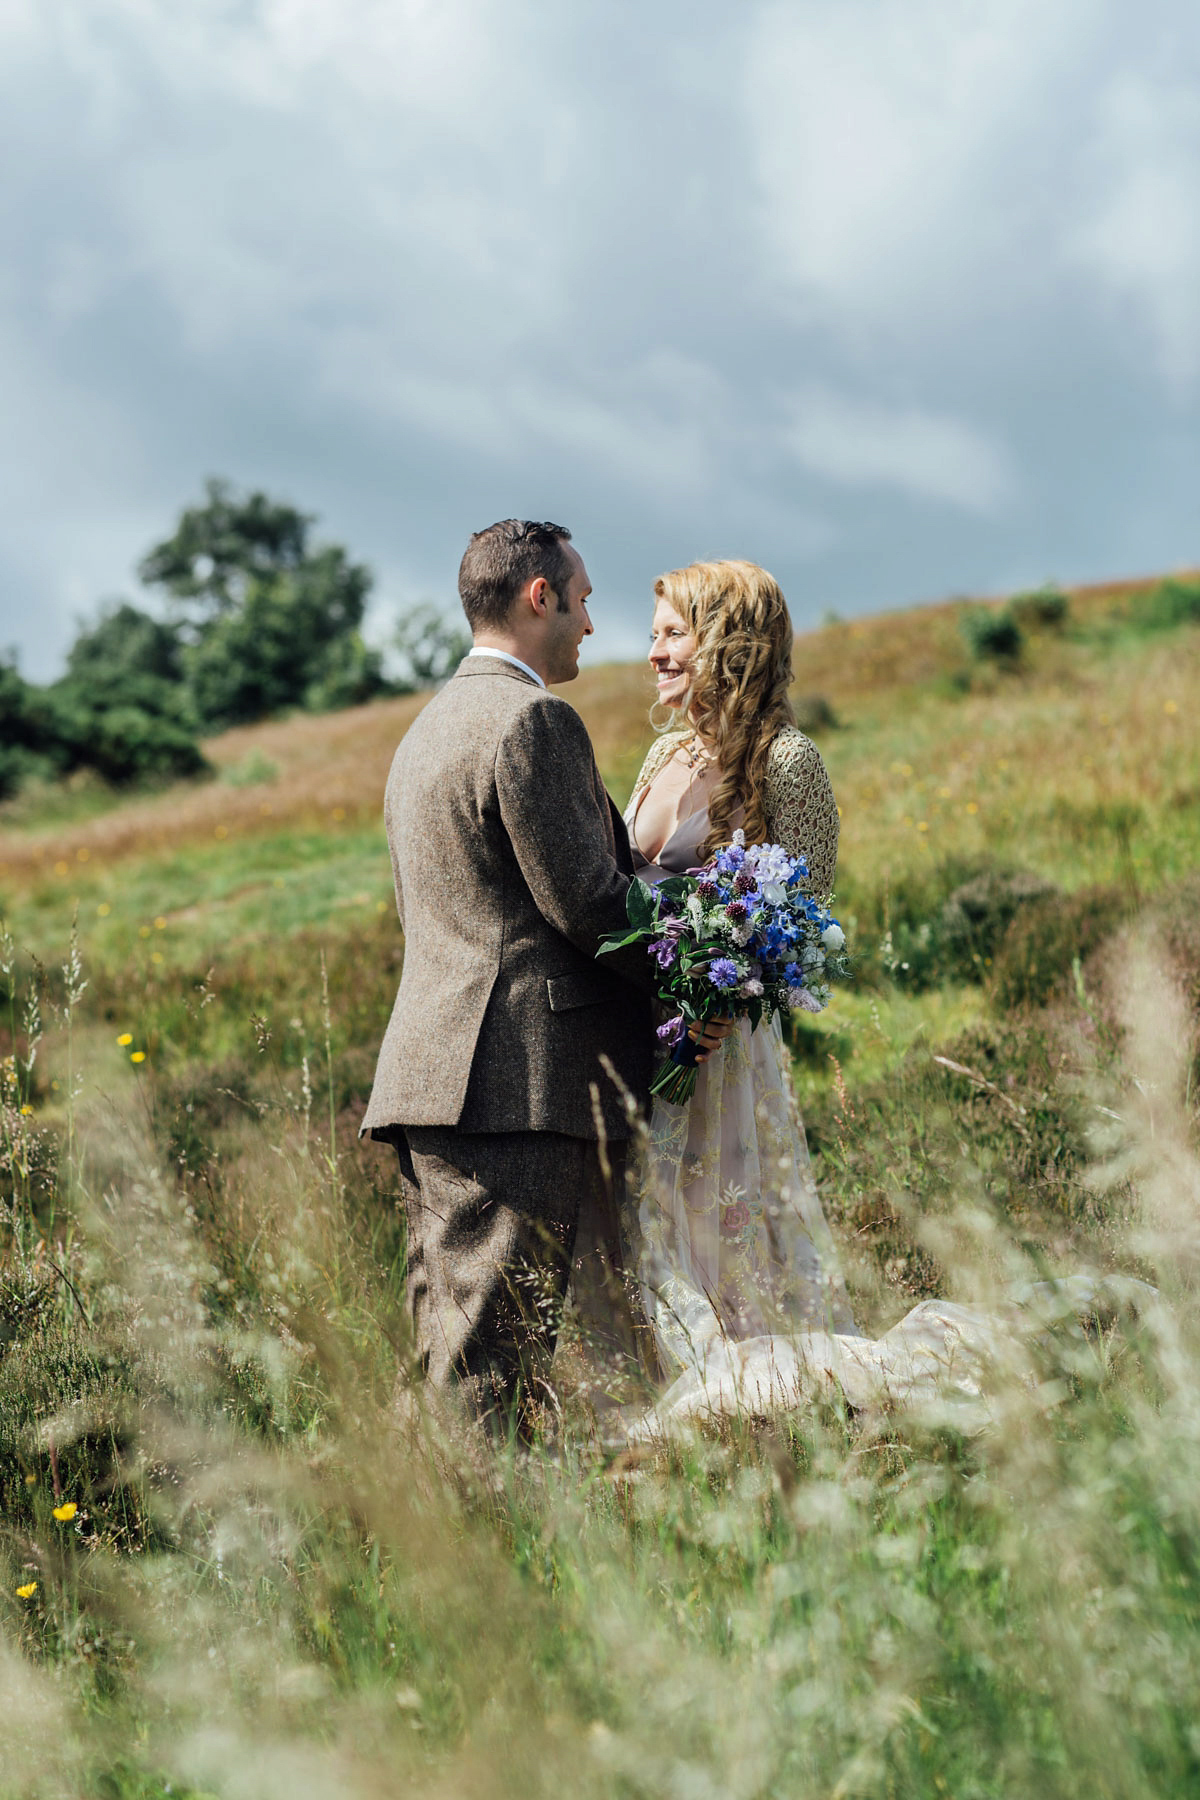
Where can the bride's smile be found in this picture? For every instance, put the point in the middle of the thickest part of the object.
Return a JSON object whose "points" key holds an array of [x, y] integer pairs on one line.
{"points": [[672, 647]]}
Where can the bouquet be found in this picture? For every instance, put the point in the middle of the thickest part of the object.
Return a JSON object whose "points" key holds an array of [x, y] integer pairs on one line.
{"points": [[735, 937]]}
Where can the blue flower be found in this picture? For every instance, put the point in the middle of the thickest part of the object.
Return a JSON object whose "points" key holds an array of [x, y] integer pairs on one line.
{"points": [[723, 973], [730, 861], [794, 974]]}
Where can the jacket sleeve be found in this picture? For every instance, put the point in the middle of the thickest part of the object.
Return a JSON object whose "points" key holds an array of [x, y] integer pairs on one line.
{"points": [[801, 811], [554, 810]]}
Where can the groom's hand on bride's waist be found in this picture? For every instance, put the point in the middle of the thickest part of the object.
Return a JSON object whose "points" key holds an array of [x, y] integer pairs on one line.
{"points": [[710, 1034]]}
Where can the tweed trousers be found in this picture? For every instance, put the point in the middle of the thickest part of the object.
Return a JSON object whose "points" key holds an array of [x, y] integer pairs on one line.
{"points": [[492, 1224]]}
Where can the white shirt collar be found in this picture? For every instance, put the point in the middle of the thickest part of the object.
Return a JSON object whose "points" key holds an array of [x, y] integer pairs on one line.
{"points": [[486, 650]]}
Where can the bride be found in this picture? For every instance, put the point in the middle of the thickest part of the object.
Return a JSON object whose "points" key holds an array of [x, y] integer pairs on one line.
{"points": [[723, 1229], [722, 1214]]}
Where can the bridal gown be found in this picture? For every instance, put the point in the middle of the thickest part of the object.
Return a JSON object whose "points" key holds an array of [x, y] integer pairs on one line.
{"points": [[737, 1269]]}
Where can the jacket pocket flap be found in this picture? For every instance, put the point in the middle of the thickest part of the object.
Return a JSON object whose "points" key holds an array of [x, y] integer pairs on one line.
{"points": [[568, 991]]}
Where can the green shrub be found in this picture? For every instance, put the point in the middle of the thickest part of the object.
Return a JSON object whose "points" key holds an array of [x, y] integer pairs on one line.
{"points": [[1042, 609], [992, 636], [1175, 601], [941, 922], [1036, 959], [977, 915], [814, 714]]}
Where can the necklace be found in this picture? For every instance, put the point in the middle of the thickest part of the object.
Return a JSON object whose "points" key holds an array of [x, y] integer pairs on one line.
{"points": [[697, 753]]}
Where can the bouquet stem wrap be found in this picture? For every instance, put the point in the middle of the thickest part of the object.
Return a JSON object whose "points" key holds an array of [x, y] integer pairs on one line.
{"points": [[675, 1081]]}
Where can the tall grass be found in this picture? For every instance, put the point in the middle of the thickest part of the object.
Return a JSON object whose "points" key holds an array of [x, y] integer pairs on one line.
{"points": [[268, 1586], [273, 1583]]}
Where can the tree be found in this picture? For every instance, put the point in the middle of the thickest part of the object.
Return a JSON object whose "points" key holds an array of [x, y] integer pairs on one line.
{"points": [[431, 646], [269, 619], [218, 549], [125, 642], [27, 742]]}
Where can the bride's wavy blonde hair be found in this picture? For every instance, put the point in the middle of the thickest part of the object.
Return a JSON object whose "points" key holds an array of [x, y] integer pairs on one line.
{"points": [[738, 698]]}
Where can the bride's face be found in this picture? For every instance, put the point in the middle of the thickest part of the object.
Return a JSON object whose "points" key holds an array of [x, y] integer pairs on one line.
{"points": [[672, 647]]}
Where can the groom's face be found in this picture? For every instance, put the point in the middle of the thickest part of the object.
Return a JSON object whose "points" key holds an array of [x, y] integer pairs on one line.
{"points": [[567, 623]]}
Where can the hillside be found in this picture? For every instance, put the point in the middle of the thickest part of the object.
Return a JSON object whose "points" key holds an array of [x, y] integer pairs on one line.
{"points": [[220, 1555]]}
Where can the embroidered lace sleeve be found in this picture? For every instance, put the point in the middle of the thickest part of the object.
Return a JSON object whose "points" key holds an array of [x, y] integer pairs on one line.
{"points": [[659, 754], [802, 814]]}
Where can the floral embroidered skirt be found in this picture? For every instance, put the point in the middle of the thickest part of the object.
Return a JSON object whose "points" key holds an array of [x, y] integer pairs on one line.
{"points": [[724, 1228]]}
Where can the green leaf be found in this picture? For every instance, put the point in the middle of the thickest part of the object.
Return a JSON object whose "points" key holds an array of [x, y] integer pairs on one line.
{"points": [[639, 904], [620, 943], [754, 1013]]}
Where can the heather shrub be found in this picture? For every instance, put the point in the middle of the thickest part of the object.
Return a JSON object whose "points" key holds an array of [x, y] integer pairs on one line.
{"points": [[1049, 940]]}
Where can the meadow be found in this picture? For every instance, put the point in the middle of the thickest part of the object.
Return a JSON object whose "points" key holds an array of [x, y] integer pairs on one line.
{"points": [[225, 1571]]}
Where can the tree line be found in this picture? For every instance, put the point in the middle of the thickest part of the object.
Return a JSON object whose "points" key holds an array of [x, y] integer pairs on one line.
{"points": [[255, 618]]}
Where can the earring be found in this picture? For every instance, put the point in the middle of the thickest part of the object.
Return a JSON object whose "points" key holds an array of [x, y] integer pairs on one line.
{"points": [[657, 724]]}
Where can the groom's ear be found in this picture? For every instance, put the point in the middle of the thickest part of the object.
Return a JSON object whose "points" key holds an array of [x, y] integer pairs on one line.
{"points": [[539, 594]]}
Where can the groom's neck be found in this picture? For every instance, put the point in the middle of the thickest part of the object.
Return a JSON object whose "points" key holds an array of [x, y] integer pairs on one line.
{"points": [[513, 643]]}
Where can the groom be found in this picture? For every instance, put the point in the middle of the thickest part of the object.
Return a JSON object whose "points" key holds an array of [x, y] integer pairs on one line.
{"points": [[510, 864]]}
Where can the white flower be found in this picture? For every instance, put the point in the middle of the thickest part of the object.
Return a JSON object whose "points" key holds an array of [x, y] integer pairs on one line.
{"points": [[751, 988], [833, 937], [739, 838], [695, 908], [774, 893]]}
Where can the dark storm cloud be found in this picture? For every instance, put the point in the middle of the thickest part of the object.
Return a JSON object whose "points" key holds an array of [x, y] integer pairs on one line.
{"points": [[898, 301]]}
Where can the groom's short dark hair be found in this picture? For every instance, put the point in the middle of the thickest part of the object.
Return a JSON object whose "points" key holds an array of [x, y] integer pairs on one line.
{"points": [[499, 561]]}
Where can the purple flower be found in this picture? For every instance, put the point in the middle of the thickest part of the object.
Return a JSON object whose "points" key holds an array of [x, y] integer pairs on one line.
{"points": [[723, 972], [794, 974], [707, 890], [664, 950], [736, 910], [671, 1032]]}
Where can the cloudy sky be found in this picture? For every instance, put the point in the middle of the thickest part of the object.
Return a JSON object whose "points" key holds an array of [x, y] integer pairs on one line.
{"points": [[900, 298]]}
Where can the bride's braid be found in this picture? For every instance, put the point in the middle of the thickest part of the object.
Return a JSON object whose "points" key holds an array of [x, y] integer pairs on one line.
{"points": [[738, 697]]}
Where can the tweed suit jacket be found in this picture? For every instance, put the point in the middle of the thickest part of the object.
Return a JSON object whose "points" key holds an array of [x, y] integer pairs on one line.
{"points": [[510, 863]]}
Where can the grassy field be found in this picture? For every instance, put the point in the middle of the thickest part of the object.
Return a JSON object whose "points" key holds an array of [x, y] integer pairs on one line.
{"points": [[222, 1572]]}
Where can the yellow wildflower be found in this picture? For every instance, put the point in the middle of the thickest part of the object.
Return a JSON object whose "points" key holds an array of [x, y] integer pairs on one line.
{"points": [[156, 956], [28, 1591], [66, 1512], [972, 806], [1170, 706], [125, 1039], [103, 909], [160, 924], [25, 1111], [137, 1056]]}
